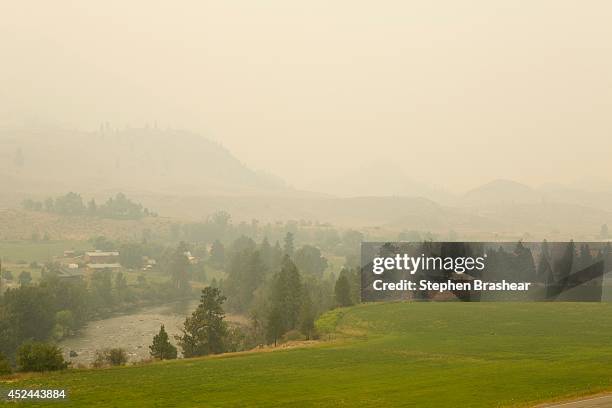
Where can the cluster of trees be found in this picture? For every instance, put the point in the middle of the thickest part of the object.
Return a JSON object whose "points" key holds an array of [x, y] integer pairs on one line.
{"points": [[281, 288], [24, 277], [119, 207], [520, 264], [33, 314], [291, 306], [55, 308], [290, 310], [35, 356], [41, 312], [204, 332], [219, 228]]}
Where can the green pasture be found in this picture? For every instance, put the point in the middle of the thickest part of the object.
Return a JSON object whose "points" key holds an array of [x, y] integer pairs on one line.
{"points": [[380, 355]]}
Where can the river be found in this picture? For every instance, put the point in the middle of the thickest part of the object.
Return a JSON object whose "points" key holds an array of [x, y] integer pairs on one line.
{"points": [[133, 332]]}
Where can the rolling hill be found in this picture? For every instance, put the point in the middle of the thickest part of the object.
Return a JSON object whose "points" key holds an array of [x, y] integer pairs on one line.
{"points": [[47, 160]]}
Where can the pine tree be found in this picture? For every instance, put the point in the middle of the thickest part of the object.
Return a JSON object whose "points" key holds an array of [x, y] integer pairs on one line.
{"points": [[342, 291], [275, 327], [205, 332], [161, 347], [524, 265], [307, 316], [544, 271], [563, 266], [286, 300]]}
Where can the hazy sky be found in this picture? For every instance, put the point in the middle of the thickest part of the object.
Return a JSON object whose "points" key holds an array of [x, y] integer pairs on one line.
{"points": [[459, 92]]}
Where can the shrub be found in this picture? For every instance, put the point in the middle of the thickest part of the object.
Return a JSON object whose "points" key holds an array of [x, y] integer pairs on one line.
{"points": [[40, 357], [117, 356], [110, 357]]}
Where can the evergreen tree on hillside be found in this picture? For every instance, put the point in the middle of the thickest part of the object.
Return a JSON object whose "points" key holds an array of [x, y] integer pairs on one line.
{"points": [[205, 331], [585, 259], [342, 291], [563, 266], [161, 347], [286, 300], [307, 316], [544, 271], [275, 327], [524, 264], [245, 273]]}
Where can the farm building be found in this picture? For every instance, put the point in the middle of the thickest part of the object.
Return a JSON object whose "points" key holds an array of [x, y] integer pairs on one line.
{"points": [[102, 259], [70, 274]]}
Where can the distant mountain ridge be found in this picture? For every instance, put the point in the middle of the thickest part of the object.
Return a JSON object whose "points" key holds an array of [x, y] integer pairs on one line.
{"points": [[183, 175], [380, 179], [502, 191], [142, 160]]}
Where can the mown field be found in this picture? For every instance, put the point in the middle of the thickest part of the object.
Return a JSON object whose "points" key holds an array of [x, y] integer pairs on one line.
{"points": [[381, 355]]}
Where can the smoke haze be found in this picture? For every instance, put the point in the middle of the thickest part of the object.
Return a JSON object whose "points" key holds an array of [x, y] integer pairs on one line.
{"points": [[453, 93]]}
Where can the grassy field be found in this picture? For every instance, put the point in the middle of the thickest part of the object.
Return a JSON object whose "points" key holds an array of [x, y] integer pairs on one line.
{"points": [[40, 251], [397, 354]]}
